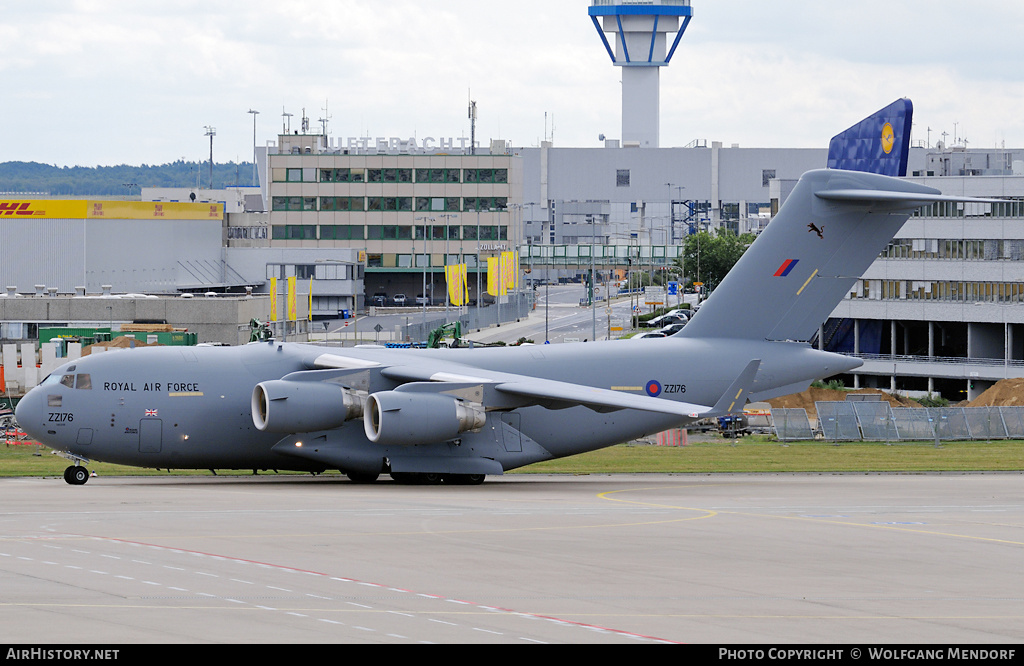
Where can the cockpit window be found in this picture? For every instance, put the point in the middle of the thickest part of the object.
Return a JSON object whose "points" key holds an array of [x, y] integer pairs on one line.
{"points": [[82, 381]]}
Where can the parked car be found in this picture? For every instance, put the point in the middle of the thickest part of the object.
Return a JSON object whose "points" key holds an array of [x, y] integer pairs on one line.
{"points": [[675, 317], [422, 300], [399, 299], [651, 334], [672, 329], [379, 299]]}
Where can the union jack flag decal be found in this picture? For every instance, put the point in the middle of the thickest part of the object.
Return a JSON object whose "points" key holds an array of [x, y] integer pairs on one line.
{"points": [[150, 412]]}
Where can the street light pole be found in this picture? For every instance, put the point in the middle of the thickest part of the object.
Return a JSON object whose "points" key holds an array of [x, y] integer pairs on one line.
{"points": [[425, 255], [447, 293], [479, 295], [593, 280], [547, 309], [255, 178]]}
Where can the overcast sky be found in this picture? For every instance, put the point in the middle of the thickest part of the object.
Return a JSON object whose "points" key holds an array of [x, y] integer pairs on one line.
{"points": [[103, 82]]}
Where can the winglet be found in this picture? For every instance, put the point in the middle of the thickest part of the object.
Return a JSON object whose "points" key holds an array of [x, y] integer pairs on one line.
{"points": [[878, 144], [737, 393]]}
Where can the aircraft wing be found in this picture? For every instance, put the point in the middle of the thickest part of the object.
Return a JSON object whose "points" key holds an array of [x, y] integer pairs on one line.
{"points": [[508, 390], [601, 400]]}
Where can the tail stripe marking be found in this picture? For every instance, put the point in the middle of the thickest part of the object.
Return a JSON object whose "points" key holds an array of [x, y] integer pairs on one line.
{"points": [[813, 275], [786, 268]]}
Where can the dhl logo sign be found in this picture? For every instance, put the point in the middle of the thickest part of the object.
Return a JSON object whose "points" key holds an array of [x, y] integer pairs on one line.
{"points": [[18, 208]]}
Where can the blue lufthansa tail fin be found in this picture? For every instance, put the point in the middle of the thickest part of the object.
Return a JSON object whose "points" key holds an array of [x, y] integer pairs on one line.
{"points": [[878, 144]]}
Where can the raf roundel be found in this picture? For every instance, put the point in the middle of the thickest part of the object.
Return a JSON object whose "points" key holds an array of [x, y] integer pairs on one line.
{"points": [[653, 388]]}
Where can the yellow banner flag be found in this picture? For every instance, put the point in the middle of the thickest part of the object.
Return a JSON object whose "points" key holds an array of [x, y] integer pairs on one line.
{"points": [[456, 277], [292, 314], [510, 269], [495, 276], [309, 317], [273, 299]]}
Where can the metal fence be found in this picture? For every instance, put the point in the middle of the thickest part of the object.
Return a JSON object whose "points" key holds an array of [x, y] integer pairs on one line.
{"points": [[791, 424], [837, 421], [879, 421]]}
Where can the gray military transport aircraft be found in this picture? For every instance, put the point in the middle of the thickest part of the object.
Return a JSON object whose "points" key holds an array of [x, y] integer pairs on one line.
{"points": [[457, 415]]}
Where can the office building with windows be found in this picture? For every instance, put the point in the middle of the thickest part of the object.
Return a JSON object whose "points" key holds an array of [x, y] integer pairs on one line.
{"points": [[942, 309], [410, 207]]}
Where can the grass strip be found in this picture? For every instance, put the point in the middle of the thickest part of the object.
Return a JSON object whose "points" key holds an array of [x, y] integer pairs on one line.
{"points": [[748, 455]]}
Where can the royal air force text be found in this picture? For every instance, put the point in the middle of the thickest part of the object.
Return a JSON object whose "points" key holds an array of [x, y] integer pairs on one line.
{"points": [[154, 387]]}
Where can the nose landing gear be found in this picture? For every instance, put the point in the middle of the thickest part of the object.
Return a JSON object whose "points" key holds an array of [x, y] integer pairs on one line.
{"points": [[76, 475]]}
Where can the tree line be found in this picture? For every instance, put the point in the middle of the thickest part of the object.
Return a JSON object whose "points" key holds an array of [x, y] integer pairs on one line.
{"points": [[121, 180]]}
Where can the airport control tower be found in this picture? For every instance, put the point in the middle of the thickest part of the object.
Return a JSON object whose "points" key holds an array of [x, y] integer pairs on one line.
{"points": [[641, 30]]}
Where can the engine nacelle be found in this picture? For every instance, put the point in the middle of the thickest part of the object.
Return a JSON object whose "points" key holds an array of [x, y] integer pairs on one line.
{"points": [[289, 407], [407, 419]]}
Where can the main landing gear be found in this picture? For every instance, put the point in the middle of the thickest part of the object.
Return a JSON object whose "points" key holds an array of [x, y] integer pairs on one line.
{"points": [[435, 479]]}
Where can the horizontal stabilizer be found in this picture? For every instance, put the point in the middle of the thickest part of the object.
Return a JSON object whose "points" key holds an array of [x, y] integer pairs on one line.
{"points": [[896, 200]]}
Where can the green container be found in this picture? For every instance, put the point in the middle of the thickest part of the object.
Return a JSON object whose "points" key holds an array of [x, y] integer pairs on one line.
{"points": [[74, 333], [170, 339]]}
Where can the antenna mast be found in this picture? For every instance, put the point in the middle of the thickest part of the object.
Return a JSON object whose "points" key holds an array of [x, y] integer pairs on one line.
{"points": [[211, 132], [472, 127], [326, 119]]}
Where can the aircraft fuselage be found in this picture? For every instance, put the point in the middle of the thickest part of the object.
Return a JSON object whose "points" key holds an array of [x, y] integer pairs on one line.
{"points": [[191, 408]]}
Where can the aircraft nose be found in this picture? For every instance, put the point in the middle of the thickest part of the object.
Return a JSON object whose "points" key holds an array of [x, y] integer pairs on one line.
{"points": [[29, 415]]}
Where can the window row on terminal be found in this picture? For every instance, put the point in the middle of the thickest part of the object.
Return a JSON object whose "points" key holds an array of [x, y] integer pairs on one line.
{"points": [[438, 232], [389, 175], [400, 204]]}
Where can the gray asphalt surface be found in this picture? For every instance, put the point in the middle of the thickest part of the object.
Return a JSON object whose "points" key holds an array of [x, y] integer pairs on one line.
{"points": [[634, 559]]}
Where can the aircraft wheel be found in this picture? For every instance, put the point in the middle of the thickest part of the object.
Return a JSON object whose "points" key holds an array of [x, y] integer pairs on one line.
{"points": [[431, 479], [465, 479], [362, 477], [76, 475]]}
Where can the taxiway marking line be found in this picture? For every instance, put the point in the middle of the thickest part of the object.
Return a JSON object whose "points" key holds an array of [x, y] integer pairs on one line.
{"points": [[711, 513]]}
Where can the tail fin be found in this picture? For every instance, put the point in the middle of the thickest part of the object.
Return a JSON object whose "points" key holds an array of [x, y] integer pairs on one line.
{"points": [[831, 228], [878, 144]]}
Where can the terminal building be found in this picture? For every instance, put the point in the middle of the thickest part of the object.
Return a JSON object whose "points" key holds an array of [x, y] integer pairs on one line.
{"points": [[942, 309], [409, 207]]}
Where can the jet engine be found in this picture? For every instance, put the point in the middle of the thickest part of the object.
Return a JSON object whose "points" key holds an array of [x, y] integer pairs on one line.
{"points": [[285, 406], [399, 418]]}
